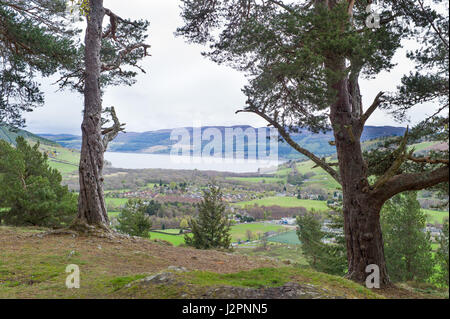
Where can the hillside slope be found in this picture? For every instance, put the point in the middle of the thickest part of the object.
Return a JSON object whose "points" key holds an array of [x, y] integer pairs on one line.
{"points": [[159, 142], [34, 267], [10, 135]]}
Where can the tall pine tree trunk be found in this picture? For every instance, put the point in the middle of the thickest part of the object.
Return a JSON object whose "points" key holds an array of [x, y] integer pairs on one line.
{"points": [[91, 204], [361, 210]]}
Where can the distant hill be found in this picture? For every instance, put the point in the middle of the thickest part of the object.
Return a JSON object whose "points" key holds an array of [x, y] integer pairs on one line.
{"points": [[10, 135], [159, 142]]}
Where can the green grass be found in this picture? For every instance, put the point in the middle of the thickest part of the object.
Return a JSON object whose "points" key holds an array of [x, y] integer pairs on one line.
{"points": [[284, 171], [290, 238], [63, 159], [321, 179], [276, 277], [421, 146], [269, 179], [116, 201], [239, 231], [150, 185], [257, 278], [175, 240], [435, 216], [287, 202], [63, 168], [175, 231], [282, 252], [113, 214], [120, 282]]}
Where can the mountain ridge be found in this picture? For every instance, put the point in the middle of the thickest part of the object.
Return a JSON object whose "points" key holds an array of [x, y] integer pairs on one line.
{"points": [[159, 142]]}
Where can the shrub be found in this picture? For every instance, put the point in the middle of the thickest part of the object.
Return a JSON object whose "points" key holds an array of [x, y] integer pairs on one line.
{"points": [[133, 219], [212, 228], [30, 190]]}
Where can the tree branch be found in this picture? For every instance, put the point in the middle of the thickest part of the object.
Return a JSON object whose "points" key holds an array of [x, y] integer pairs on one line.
{"points": [[376, 102], [431, 22], [286, 136], [110, 133], [428, 160], [411, 182], [402, 155]]}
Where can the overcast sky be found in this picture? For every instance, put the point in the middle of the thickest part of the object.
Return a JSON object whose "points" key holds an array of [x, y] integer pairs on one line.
{"points": [[181, 87]]}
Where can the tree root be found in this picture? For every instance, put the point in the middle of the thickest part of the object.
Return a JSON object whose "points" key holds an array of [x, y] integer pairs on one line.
{"points": [[80, 228]]}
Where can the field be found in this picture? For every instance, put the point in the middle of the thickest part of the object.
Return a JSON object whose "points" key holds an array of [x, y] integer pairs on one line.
{"points": [[238, 232], [435, 216], [116, 202], [421, 146], [63, 159], [287, 202], [321, 179], [269, 179], [289, 238], [176, 240]]}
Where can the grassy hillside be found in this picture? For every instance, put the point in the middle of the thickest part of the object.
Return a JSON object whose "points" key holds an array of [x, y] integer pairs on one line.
{"points": [[287, 202], [63, 159], [10, 135], [34, 267]]}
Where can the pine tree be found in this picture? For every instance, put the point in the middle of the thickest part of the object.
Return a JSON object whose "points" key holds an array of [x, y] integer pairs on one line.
{"points": [[325, 257], [133, 219], [442, 256], [310, 235], [110, 56], [407, 246], [31, 190], [35, 39], [337, 251], [212, 228], [304, 60]]}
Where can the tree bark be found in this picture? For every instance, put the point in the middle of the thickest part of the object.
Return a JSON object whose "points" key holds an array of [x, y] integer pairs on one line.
{"points": [[361, 210], [91, 203]]}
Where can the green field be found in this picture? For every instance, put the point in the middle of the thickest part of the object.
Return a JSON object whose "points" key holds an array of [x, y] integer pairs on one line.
{"points": [[269, 179], [238, 232], [287, 202], [60, 158], [421, 146], [117, 202], [435, 216], [289, 238], [175, 231], [321, 179], [176, 240]]}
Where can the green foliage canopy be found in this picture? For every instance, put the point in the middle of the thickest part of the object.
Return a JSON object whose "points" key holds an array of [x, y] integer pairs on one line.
{"points": [[30, 190], [134, 220], [212, 228], [36, 38], [407, 246]]}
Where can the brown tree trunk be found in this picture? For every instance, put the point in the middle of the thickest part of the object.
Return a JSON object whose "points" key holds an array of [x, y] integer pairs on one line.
{"points": [[363, 237], [361, 210], [91, 203]]}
